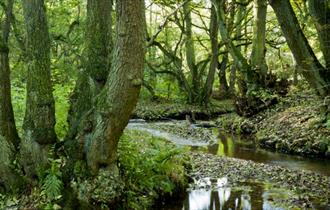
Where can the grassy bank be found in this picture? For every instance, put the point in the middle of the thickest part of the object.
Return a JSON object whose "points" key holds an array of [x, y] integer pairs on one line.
{"points": [[294, 126]]}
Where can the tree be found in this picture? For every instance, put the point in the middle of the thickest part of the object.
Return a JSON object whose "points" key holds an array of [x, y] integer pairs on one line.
{"points": [[258, 61], [316, 74], [9, 140], [320, 11], [98, 44], [7, 121], [99, 130], [207, 91], [39, 121], [190, 53]]}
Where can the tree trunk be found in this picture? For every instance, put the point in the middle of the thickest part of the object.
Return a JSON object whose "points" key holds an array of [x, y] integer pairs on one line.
{"points": [[238, 30], [222, 77], [207, 91], [258, 62], [7, 121], [320, 11], [99, 131], [237, 56], [98, 44], [312, 70], [9, 140], [117, 100], [190, 52], [232, 80], [39, 119]]}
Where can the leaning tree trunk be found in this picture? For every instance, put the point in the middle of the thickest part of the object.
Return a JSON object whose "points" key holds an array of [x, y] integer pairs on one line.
{"points": [[9, 139], [258, 62], [39, 119], [320, 11], [207, 90], [317, 76], [101, 127], [96, 65]]}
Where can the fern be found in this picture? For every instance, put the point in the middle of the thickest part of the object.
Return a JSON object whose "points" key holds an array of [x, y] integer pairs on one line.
{"points": [[52, 184]]}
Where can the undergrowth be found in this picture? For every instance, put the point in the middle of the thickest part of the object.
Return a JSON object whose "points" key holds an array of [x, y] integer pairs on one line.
{"points": [[152, 168]]}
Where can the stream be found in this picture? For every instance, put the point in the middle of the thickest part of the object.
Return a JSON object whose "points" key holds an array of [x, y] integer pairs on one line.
{"points": [[248, 195]]}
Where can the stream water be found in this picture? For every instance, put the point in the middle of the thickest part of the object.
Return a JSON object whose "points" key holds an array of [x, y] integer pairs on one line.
{"points": [[250, 195]]}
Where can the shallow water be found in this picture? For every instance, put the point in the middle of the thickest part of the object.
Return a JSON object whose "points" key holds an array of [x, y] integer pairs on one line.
{"points": [[245, 148], [236, 146], [251, 195]]}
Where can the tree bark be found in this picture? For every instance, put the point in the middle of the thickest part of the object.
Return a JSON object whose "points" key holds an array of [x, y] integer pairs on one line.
{"points": [[7, 121], [102, 126], [258, 62], [222, 77], [39, 119], [320, 11], [207, 91], [190, 53], [98, 44], [9, 140], [317, 76], [241, 62], [241, 11]]}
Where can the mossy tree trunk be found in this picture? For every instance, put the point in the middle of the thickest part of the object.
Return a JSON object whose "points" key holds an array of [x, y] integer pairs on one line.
{"points": [[258, 61], [237, 56], [207, 90], [190, 53], [234, 75], [117, 100], [98, 44], [39, 119], [100, 128], [9, 140], [7, 121], [317, 76], [320, 11]]}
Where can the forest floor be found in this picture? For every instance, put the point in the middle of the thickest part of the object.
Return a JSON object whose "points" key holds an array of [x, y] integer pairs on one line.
{"points": [[292, 126]]}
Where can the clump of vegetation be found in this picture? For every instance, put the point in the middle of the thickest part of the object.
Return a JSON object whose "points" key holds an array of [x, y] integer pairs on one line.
{"points": [[157, 110], [235, 123], [152, 168]]}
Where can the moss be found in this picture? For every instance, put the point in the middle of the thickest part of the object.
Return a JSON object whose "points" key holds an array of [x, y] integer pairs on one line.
{"points": [[10, 181]]}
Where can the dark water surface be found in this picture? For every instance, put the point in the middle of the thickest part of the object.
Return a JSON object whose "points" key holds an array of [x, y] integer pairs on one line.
{"points": [[245, 148], [251, 196]]}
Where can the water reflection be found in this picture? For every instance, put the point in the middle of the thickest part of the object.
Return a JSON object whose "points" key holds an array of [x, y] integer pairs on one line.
{"points": [[245, 148], [254, 197], [240, 147]]}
